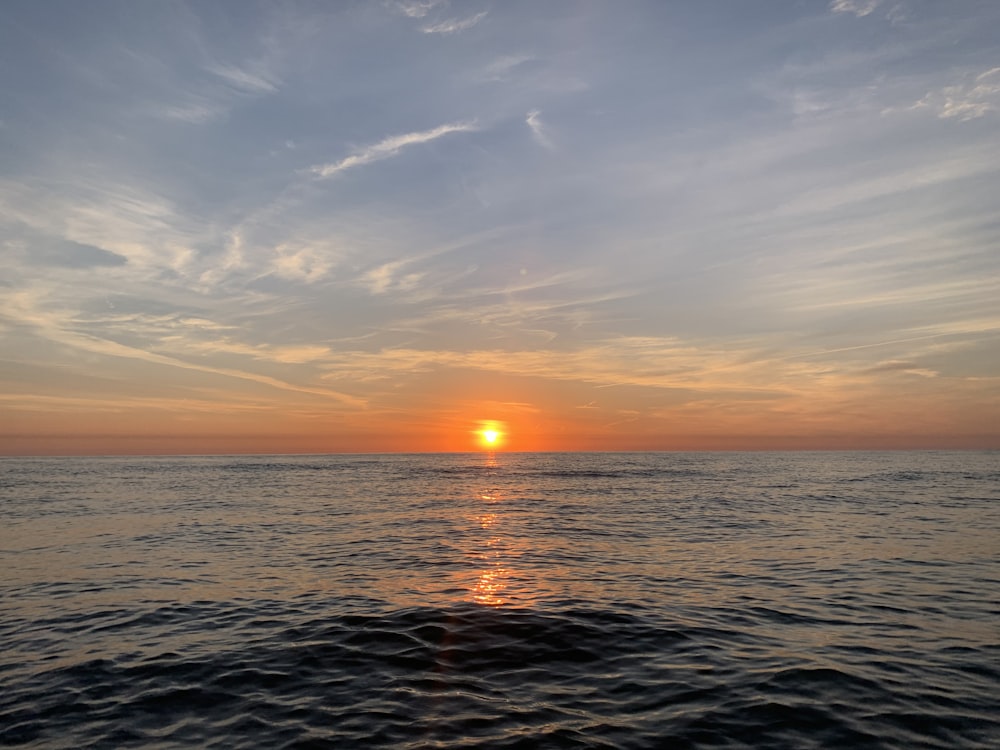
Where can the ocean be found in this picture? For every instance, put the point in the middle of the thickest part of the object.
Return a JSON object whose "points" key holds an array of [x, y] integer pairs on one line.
{"points": [[591, 600]]}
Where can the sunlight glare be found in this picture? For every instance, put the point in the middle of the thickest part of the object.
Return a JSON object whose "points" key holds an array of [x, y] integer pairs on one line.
{"points": [[491, 434]]}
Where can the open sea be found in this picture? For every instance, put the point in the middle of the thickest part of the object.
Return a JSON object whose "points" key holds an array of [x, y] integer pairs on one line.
{"points": [[630, 600]]}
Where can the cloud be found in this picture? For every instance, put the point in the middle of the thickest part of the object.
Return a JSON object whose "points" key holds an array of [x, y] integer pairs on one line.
{"points": [[105, 211], [501, 68], [57, 327], [959, 164], [389, 147], [907, 368], [644, 361], [300, 264], [196, 110], [292, 354], [232, 259], [381, 279], [69, 254], [417, 8], [859, 8], [203, 324], [968, 100], [454, 25], [124, 402], [244, 79], [537, 128], [378, 279]]}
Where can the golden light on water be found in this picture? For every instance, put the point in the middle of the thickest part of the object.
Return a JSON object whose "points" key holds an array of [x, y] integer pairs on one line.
{"points": [[489, 587]]}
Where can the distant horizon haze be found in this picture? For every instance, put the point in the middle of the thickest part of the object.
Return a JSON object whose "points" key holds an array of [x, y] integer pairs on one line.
{"points": [[187, 445]]}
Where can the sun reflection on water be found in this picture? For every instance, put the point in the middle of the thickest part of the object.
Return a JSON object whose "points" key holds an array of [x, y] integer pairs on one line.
{"points": [[490, 586], [494, 553]]}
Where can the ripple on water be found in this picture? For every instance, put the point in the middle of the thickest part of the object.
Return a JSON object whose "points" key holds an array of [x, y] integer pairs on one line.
{"points": [[484, 677], [621, 601]]}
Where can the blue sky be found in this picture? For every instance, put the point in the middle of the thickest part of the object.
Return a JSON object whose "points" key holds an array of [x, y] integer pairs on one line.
{"points": [[371, 225]]}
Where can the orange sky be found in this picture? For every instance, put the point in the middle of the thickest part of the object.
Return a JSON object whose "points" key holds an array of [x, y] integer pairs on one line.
{"points": [[548, 416]]}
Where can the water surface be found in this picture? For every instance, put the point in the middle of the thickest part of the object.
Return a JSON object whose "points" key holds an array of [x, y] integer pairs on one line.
{"points": [[516, 600]]}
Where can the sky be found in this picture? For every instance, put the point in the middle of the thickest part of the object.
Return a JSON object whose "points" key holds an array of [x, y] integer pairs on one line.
{"points": [[306, 227]]}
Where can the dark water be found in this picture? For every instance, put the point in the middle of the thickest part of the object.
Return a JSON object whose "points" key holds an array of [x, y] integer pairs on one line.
{"points": [[522, 601]]}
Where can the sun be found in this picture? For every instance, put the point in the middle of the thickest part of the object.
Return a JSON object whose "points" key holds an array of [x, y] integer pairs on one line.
{"points": [[490, 434]]}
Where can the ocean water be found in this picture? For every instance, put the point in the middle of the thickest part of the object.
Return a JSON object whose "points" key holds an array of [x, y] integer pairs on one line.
{"points": [[732, 600]]}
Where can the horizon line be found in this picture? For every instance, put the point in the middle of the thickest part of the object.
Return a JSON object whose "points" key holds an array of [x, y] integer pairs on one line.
{"points": [[15, 456]]}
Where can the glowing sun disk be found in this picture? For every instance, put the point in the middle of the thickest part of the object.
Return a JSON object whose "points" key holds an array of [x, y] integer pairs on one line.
{"points": [[491, 434]]}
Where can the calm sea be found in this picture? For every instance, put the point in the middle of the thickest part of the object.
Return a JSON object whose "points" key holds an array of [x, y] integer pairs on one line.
{"points": [[645, 600]]}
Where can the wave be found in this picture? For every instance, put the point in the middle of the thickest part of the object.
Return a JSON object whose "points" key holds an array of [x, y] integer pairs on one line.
{"points": [[264, 674]]}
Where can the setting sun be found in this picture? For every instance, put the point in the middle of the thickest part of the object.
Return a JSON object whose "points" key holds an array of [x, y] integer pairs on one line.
{"points": [[490, 434]]}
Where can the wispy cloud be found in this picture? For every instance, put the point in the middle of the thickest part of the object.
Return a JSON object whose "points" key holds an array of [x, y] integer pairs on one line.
{"points": [[906, 368], [454, 25], [967, 100], [218, 88], [246, 79], [533, 121], [859, 8], [306, 264], [382, 279], [196, 110], [501, 68], [417, 8], [212, 404], [56, 326], [292, 354], [97, 209], [389, 147]]}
